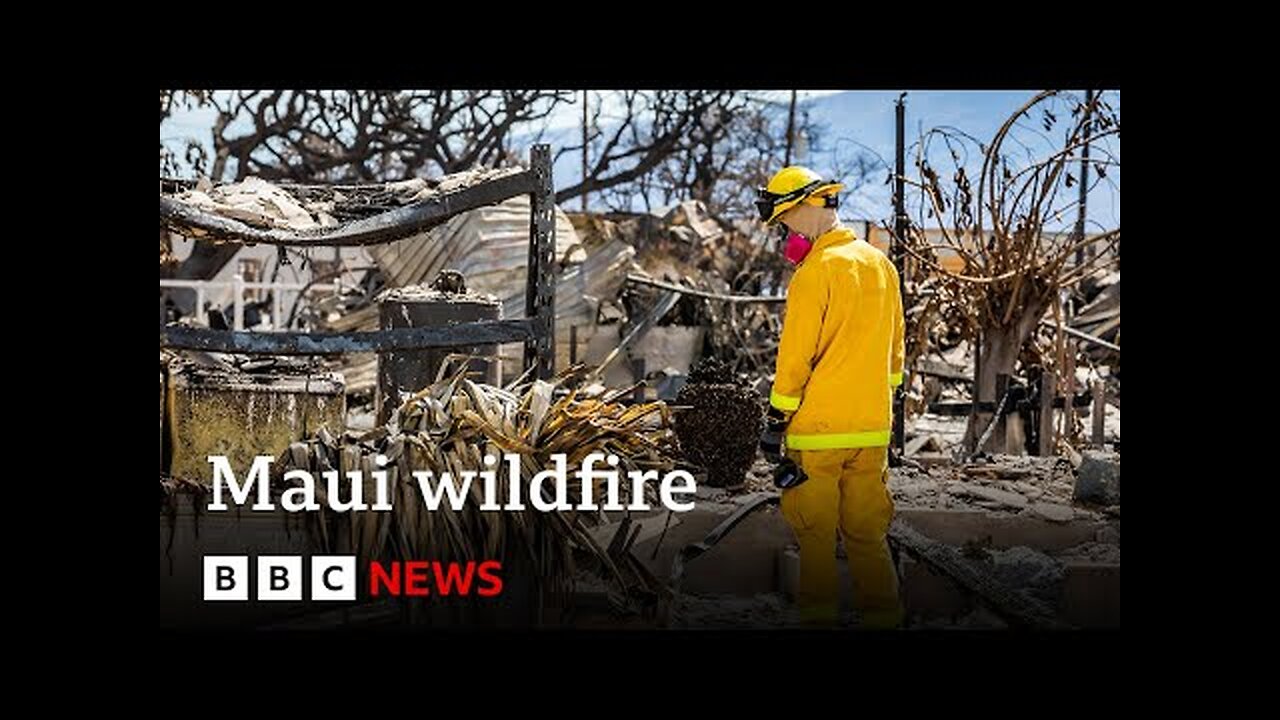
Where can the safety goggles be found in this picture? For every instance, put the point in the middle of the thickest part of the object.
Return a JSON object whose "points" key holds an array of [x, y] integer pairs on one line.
{"points": [[767, 201]]}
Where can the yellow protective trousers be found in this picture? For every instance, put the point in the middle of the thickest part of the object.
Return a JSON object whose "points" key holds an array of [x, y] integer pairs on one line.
{"points": [[846, 491]]}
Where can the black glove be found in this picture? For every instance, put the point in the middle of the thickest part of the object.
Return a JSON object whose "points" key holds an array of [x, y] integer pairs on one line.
{"points": [[775, 426]]}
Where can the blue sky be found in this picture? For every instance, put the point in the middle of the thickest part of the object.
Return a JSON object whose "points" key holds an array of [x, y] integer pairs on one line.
{"points": [[855, 121], [868, 118]]}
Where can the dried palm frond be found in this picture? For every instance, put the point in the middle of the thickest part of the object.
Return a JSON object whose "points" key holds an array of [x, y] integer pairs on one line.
{"points": [[450, 426]]}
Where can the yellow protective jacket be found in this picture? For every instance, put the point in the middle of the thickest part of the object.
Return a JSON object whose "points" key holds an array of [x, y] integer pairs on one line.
{"points": [[841, 349]]}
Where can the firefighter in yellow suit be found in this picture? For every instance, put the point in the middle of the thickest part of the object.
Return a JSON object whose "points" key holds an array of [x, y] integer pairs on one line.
{"points": [[839, 359]]}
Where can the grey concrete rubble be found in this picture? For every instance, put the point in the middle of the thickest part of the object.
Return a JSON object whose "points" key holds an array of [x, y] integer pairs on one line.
{"points": [[1099, 478]]}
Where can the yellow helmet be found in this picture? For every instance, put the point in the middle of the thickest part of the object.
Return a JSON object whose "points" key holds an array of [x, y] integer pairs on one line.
{"points": [[792, 186]]}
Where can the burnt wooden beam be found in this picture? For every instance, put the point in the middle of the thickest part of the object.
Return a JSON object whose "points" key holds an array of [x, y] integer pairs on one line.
{"points": [[1048, 390], [299, 343], [1099, 413], [382, 228]]}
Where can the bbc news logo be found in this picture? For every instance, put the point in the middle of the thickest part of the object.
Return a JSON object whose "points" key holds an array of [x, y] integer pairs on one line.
{"points": [[279, 577], [333, 578]]}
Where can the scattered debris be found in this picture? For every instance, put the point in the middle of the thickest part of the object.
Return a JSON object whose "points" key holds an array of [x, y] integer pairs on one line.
{"points": [[1001, 484], [1012, 605]]}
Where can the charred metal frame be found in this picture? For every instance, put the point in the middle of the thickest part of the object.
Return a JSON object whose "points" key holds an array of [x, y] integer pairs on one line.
{"points": [[540, 291], [536, 330]]}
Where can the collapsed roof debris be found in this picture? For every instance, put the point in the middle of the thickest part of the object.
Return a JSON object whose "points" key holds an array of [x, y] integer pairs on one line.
{"points": [[228, 216]]}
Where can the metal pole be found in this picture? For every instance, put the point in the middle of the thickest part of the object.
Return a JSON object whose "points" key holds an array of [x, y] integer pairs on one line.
{"points": [[1084, 179], [584, 151], [899, 255], [791, 129], [540, 295]]}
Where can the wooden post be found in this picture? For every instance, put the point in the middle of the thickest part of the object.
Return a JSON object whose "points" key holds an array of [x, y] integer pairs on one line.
{"points": [[1069, 393], [573, 337], [1048, 388], [977, 391], [1015, 440], [162, 404], [1099, 412], [585, 139]]}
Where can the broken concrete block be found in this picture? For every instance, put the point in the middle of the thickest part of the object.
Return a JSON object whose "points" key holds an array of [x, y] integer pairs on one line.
{"points": [[1098, 479], [1054, 512]]}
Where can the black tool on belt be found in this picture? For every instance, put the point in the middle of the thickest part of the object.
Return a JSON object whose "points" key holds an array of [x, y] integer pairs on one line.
{"points": [[786, 473]]}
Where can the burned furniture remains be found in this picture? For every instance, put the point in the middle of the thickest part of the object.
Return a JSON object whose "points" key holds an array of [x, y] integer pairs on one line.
{"points": [[535, 330]]}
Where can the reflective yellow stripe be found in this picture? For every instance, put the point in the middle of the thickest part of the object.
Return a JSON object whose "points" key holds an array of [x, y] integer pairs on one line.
{"points": [[895, 379], [783, 402], [833, 441]]}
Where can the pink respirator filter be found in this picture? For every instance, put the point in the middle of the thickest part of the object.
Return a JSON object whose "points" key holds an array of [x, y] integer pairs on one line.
{"points": [[796, 248]]}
